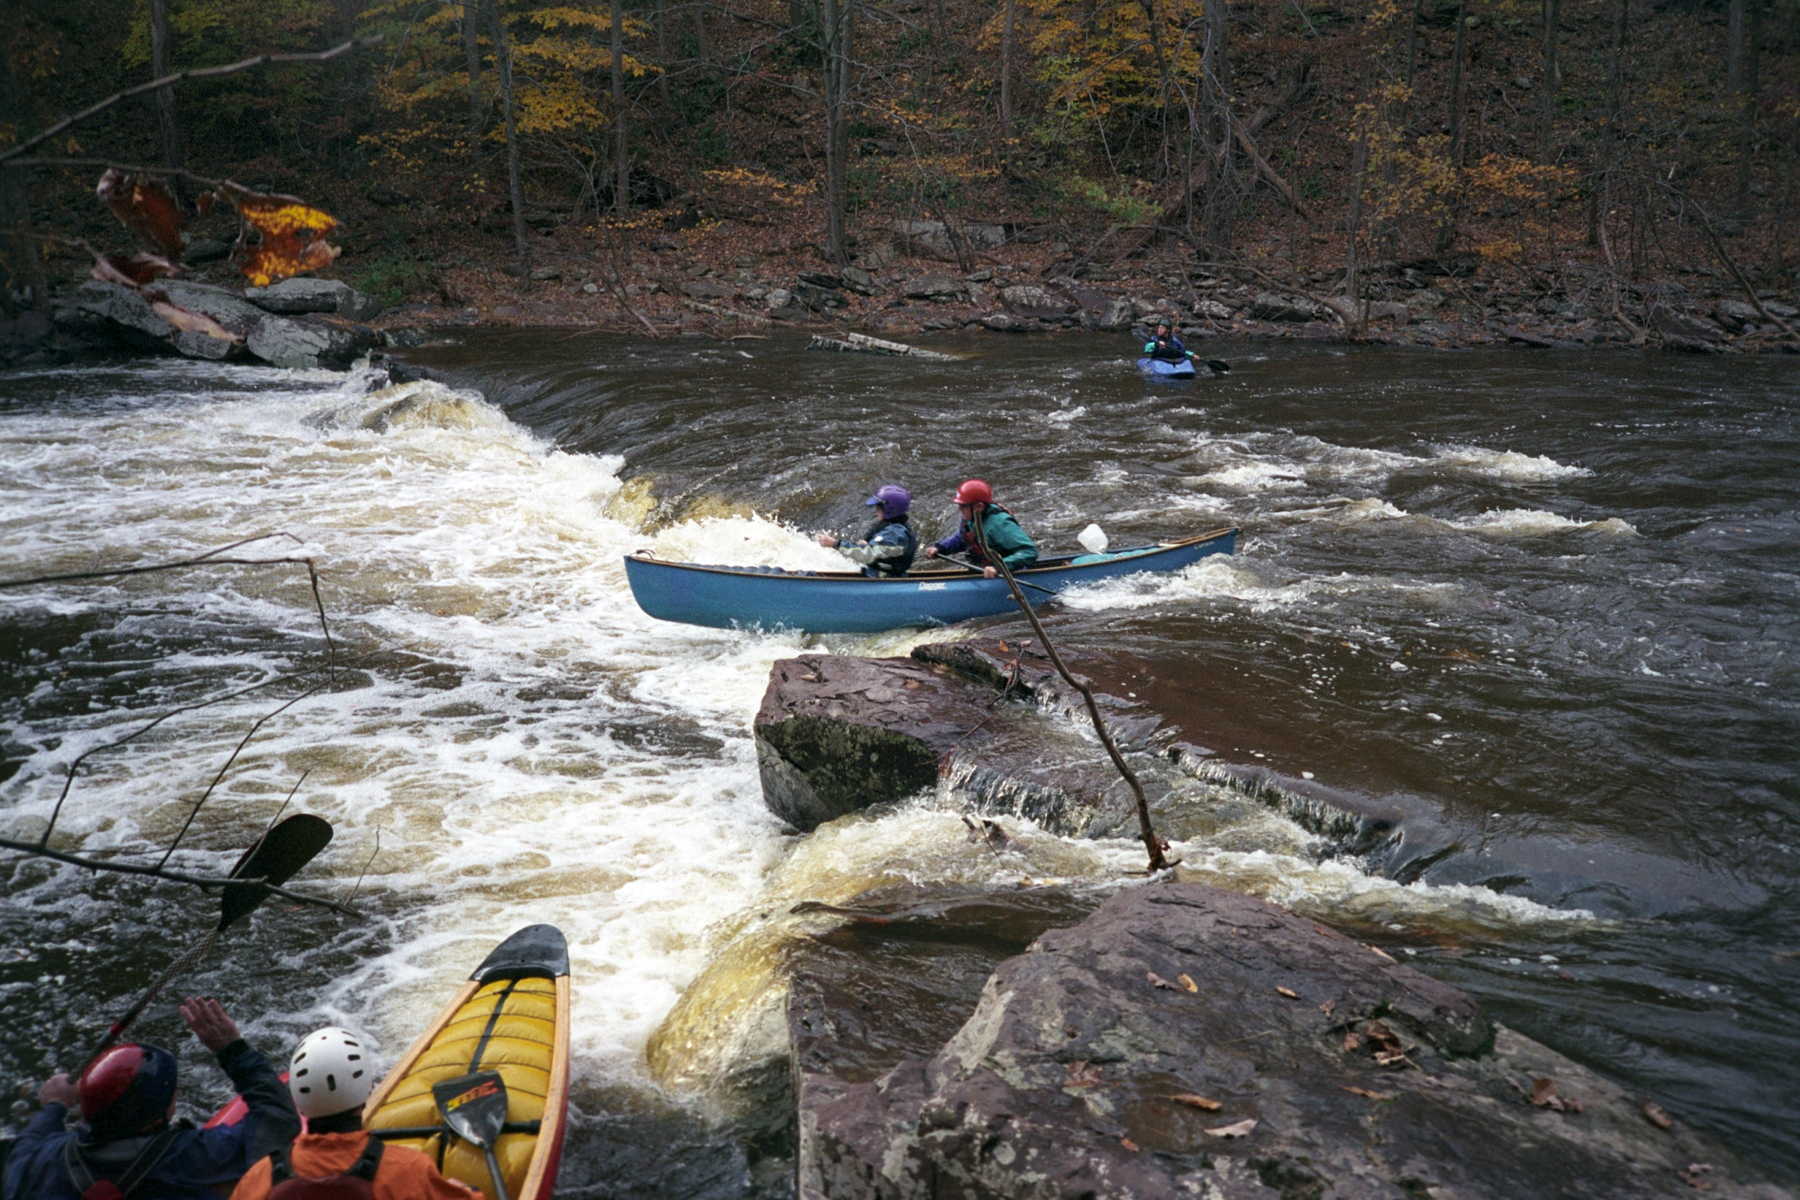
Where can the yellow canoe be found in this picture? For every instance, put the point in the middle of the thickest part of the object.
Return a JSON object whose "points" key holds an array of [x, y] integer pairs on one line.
{"points": [[511, 1017]]}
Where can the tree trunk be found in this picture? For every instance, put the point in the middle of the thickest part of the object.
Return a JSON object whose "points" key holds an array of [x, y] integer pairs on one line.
{"points": [[837, 21], [1215, 83], [1446, 234], [662, 53], [1006, 59], [1548, 85], [1599, 192], [1744, 32], [621, 156], [471, 40], [168, 130], [516, 189], [21, 255]]}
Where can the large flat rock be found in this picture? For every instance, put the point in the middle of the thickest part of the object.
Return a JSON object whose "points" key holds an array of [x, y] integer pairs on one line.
{"points": [[1188, 1041], [996, 723]]}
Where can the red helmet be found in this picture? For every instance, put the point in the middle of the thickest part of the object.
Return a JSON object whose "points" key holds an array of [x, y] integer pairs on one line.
{"points": [[974, 491], [127, 1090]]}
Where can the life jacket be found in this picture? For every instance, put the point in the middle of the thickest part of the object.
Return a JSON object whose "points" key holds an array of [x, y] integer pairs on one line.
{"points": [[1168, 349], [357, 1183], [975, 542], [894, 566], [95, 1187]]}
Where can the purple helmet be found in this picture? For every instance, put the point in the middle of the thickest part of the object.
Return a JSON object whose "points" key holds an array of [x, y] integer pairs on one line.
{"points": [[893, 498]]}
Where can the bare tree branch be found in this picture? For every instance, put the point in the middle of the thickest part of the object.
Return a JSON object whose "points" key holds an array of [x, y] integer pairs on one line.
{"points": [[197, 73], [239, 749], [159, 872], [210, 558]]}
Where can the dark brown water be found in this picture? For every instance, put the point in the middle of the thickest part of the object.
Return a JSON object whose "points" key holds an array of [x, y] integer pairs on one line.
{"points": [[1540, 606]]}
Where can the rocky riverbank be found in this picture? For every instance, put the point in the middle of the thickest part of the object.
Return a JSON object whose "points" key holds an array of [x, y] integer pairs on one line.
{"points": [[920, 277]]}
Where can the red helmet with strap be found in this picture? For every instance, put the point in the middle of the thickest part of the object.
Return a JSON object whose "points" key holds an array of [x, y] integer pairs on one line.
{"points": [[974, 491], [127, 1090]]}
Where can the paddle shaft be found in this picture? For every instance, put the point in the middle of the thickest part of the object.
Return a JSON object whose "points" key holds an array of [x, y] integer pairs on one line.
{"points": [[282, 850], [963, 562], [500, 1192], [474, 1109]]}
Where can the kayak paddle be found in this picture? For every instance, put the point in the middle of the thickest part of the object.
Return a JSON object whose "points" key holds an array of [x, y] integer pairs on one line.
{"points": [[474, 1109], [281, 851], [963, 562]]}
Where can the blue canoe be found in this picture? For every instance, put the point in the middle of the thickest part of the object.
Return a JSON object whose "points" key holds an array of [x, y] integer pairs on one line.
{"points": [[1162, 368], [849, 602]]}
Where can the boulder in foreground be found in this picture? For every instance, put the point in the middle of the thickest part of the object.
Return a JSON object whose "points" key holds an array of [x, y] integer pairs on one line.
{"points": [[1188, 1041]]}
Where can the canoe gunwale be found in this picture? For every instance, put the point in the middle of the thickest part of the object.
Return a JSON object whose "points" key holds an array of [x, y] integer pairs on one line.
{"points": [[1060, 564]]}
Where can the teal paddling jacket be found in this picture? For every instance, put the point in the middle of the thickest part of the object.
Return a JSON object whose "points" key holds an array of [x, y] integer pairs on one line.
{"points": [[1003, 536]]}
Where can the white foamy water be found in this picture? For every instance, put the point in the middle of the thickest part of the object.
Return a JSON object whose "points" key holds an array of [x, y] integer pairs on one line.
{"points": [[513, 740]]}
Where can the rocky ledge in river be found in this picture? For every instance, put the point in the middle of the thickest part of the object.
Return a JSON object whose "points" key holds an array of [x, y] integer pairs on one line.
{"points": [[990, 719], [300, 322], [1188, 1041]]}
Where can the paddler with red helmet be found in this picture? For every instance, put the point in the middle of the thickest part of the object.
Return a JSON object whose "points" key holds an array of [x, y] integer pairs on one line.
{"points": [[126, 1144], [987, 532]]}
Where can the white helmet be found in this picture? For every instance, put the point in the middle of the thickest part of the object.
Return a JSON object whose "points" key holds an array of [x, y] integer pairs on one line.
{"points": [[331, 1072]]}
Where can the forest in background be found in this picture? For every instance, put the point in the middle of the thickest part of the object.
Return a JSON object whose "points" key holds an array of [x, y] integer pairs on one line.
{"points": [[1580, 146]]}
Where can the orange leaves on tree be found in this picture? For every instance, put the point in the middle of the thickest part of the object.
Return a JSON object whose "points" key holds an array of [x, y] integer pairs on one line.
{"points": [[282, 235], [144, 205]]}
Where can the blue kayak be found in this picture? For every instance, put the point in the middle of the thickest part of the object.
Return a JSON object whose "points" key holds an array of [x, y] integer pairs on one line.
{"points": [[1162, 368], [850, 602]]}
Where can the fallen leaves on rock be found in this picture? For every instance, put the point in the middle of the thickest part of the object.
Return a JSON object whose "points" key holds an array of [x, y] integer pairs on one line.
{"points": [[1188, 983], [1385, 1046], [1158, 981], [1290, 993], [1653, 1113], [1238, 1129], [1193, 1101], [1366, 1092], [1543, 1095], [1083, 1074], [1694, 1175]]}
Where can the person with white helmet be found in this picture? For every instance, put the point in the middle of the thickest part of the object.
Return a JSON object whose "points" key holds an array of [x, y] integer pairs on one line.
{"points": [[889, 546], [330, 1076]]}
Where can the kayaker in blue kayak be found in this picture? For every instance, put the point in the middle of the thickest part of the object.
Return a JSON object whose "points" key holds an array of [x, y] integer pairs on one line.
{"points": [[988, 531], [888, 548], [1165, 344]]}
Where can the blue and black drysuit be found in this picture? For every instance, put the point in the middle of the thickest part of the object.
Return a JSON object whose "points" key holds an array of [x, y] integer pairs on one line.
{"points": [[190, 1164], [888, 548], [1166, 347]]}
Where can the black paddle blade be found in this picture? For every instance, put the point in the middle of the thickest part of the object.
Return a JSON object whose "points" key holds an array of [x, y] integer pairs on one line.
{"points": [[290, 845], [473, 1106]]}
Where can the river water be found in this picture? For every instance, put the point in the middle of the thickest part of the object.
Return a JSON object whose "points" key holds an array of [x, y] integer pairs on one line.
{"points": [[1538, 607]]}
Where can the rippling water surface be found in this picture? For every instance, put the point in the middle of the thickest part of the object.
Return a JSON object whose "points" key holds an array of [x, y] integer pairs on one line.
{"points": [[1539, 607]]}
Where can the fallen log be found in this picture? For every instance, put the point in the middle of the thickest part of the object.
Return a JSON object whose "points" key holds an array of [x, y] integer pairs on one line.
{"points": [[862, 343]]}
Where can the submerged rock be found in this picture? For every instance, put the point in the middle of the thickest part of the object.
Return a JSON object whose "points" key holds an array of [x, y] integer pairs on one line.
{"points": [[1185, 1040]]}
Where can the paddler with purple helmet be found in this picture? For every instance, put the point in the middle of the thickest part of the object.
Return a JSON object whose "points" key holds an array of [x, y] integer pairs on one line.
{"points": [[888, 548]]}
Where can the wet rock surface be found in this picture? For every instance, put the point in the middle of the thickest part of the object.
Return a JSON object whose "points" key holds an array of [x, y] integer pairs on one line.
{"points": [[294, 324], [992, 720], [1184, 1040]]}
